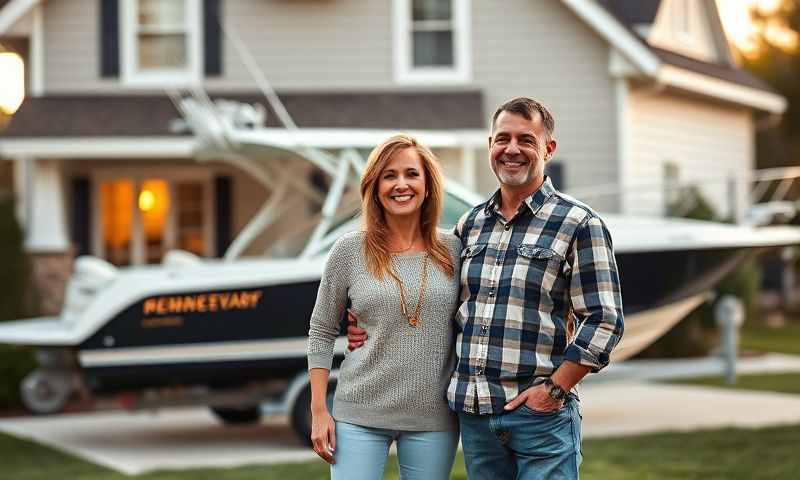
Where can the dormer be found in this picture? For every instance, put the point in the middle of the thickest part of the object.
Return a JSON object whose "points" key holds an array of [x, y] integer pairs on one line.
{"points": [[688, 27]]}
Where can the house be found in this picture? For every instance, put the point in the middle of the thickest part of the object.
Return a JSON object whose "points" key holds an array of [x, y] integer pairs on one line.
{"points": [[645, 93]]}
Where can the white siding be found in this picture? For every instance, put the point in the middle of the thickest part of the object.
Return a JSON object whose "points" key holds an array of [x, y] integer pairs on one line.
{"points": [[309, 44], [551, 55], [72, 48], [705, 140]]}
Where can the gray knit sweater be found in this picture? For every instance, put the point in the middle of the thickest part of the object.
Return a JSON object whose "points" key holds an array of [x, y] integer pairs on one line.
{"points": [[398, 379]]}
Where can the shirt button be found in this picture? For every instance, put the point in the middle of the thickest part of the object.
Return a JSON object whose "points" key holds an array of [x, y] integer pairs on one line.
{"points": [[491, 293], [508, 226], [484, 329], [479, 371]]}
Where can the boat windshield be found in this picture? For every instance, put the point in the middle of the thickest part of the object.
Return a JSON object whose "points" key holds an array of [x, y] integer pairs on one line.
{"points": [[454, 207]]}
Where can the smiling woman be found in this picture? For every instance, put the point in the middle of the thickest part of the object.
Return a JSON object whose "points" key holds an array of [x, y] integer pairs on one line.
{"points": [[12, 82]]}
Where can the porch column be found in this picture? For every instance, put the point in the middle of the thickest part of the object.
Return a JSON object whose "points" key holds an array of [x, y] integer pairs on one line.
{"points": [[46, 237], [22, 188], [468, 166]]}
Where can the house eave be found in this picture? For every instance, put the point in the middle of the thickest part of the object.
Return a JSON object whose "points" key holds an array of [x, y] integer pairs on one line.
{"points": [[13, 12], [183, 147], [720, 89]]}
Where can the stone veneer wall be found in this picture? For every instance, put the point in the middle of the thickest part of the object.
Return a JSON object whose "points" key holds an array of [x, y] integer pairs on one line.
{"points": [[50, 273]]}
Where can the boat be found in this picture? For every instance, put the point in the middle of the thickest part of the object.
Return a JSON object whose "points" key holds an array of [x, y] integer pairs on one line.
{"points": [[230, 333]]}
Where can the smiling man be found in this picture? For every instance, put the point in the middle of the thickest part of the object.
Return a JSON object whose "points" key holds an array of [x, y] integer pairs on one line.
{"points": [[540, 309]]}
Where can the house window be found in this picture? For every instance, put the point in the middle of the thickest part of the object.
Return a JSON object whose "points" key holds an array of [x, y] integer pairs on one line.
{"points": [[141, 219], [431, 41], [161, 41]]}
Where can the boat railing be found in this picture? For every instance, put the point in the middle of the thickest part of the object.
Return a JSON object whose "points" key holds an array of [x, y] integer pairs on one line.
{"points": [[767, 193]]}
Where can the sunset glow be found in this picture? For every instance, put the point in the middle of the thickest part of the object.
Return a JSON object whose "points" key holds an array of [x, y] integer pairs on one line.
{"points": [[744, 33]]}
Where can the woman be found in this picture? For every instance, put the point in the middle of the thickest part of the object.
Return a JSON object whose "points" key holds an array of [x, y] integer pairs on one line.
{"points": [[400, 276]]}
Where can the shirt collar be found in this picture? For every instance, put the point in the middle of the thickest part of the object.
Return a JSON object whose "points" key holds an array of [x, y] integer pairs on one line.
{"points": [[534, 202]]}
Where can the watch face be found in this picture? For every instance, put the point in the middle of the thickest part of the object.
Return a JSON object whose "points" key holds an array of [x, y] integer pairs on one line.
{"points": [[556, 392]]}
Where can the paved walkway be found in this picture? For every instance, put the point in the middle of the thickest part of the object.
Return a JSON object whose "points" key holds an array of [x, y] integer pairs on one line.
{"points": [[192, 438]]}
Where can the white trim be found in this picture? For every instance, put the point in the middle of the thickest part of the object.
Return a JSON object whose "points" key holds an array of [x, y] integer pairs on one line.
{"points": [[13, 12], [37, 52], [721, 89], [622, 93], [404, 70], [158, 147], [87, 148], [615, 34], [130, 75], [203, 352]]}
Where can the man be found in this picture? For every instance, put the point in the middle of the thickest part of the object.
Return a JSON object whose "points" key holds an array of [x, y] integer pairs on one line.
{"points": [[540, 309]]}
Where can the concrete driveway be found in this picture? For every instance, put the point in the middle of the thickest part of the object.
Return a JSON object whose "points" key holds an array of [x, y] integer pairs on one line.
{"points": [[133, 443]]}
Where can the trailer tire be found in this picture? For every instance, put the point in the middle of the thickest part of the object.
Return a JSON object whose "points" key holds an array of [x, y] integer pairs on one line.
{"points": [[301, 412], [46, 391], [237, 415]]}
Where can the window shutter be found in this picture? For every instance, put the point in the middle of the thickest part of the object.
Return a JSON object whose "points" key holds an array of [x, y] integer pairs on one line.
{"points": [[555, 170], [212, 15], [109, 38], [222, 210], [81, 224]]}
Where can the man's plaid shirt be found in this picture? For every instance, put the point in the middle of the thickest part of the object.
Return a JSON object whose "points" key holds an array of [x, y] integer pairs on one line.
{"points": [[519, 280]]}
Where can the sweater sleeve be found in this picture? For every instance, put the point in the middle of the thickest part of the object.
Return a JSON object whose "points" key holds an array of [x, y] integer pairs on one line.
{"points": [[330, 305]]}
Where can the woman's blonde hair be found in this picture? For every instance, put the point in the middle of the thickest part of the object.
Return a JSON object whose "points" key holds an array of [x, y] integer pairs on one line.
{"points": [[376, 252]]}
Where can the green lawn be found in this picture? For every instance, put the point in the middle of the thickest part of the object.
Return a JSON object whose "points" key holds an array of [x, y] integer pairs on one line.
{"points": [[730, 453], [785, 339], [774, 382]]}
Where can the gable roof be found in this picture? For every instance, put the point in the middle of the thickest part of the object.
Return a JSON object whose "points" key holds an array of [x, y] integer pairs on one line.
{"points": [[678, 70]]}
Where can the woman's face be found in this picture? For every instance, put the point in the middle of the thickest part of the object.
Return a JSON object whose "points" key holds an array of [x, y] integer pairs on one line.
{"points": [[401, 185]]}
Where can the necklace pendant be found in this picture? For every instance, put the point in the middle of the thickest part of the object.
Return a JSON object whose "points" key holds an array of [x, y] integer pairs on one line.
{"points": [[413, 321]]}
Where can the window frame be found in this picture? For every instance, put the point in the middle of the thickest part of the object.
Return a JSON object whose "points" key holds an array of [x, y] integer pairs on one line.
{"points": [[130, 73], [404, 70]]}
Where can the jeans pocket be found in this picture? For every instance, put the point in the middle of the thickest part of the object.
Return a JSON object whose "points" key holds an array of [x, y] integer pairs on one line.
{"points": [[525, 409]]}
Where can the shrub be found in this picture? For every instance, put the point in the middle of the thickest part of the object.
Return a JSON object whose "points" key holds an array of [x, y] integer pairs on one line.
{"points": [[15, 302]]}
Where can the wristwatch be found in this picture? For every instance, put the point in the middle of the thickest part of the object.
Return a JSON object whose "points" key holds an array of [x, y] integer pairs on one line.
{"points": [[554, 391]]}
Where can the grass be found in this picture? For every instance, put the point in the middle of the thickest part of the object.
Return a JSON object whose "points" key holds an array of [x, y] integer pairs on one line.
{"points": [[728, 453], [761, 338], [773, 382]]}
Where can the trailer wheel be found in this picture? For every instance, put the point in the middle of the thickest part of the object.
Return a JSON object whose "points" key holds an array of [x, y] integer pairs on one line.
{"points": [[45, 391], [237, 415], [301, 412]]}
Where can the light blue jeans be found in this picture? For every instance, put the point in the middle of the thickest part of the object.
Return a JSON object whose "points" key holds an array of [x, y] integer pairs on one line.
{"points": [[523, 444], [361, 453]]}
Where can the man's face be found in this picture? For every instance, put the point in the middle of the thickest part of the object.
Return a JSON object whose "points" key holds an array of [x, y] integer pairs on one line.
{"points": [[518, 150]]}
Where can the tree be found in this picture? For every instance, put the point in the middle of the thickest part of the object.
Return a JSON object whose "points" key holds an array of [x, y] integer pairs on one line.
{"points": [[776, 59]]}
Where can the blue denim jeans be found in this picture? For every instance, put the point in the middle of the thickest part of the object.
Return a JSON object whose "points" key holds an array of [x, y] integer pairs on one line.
{"points": [[361, 453], [523, 444]]}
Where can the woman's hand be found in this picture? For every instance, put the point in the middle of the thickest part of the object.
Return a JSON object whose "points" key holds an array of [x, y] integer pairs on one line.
{"points": [[323, 434]]}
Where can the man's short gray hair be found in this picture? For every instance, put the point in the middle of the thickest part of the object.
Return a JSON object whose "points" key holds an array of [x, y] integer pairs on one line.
{"points": [[527, 107]]}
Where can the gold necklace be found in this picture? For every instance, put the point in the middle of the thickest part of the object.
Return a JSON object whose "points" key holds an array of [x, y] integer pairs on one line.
{"points": [[405, 249], [413, 319]]}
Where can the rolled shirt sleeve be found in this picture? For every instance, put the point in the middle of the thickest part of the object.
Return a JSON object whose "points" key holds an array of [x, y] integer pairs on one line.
{"points": [[595, 296]]}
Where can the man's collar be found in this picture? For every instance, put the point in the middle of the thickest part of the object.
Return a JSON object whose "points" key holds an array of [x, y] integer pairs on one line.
{"points": [[535, 201]]}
